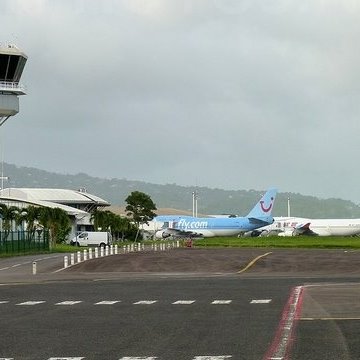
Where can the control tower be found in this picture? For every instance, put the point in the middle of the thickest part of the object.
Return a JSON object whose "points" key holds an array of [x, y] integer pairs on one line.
{"points": [[12, 62]]}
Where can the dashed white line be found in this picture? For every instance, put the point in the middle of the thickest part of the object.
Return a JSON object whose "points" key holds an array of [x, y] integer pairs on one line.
{"points": [[221, 302], [68, 303], [145, 302], [5, 268], [66, 358], [30, 303], [138, 358], [183, 302], [16, 265], [105, 302], [260, 301], [4, 302], [209, 357]]}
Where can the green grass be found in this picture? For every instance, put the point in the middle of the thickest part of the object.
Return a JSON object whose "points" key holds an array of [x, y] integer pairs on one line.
{"points": [[323, 242]]}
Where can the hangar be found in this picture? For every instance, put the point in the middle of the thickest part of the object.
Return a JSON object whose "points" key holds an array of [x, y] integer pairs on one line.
{"points": [[78, 204]]}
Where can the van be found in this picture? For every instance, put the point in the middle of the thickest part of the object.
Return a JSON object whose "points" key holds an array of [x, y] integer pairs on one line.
{"points": [[92, 238]]}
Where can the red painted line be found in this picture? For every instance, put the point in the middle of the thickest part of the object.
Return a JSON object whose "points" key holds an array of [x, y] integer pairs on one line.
{"points": [[285, 332]]}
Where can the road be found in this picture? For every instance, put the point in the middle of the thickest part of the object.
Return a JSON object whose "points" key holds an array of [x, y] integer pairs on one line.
{"points": [[98, 310]]}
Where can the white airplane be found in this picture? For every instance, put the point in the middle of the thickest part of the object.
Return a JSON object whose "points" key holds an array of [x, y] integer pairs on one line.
{"points": [[292, 226], [188, 226]]}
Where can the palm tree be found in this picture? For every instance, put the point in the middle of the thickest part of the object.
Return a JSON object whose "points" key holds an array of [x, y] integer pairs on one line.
{"points": [[8, 215], [58, 223]]}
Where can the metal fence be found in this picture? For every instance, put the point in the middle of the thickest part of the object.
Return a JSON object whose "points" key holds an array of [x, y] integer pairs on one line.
{"points": [[15, 242]]}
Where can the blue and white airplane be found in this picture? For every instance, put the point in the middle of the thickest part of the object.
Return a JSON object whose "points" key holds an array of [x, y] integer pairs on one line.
{"points": [[188, 226]]}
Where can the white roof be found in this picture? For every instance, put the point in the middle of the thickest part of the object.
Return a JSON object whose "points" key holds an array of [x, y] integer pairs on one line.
{"points": [[53, 195]]}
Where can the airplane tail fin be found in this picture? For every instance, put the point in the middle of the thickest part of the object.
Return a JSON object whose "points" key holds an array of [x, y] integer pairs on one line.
{"points": [[264, 206]]}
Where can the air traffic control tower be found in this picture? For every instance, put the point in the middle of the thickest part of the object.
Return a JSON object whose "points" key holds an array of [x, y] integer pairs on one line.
{"points": [[12, 62]]}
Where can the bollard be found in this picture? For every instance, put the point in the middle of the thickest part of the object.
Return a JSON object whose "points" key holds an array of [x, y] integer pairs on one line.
{"points": [[66, 262], [111, 250], [96, 253], [101, 251], [72, 259], [116, 249], [34, 268], [85, 255], [106, 251], [155, 247], [177, 244], [90, 253], [124, 249], [78, 256]]}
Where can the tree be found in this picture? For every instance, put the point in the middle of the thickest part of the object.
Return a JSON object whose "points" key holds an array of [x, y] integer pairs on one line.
{"points": [[140, 208], [8, 215], [58, 223]]}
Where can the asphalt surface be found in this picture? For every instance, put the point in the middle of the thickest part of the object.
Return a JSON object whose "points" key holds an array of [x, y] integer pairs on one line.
{"points": [[200, 304]]}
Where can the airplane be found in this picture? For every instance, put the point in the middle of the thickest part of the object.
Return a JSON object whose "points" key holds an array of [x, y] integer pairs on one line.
{"points": [[189, 226], [292, 226]]}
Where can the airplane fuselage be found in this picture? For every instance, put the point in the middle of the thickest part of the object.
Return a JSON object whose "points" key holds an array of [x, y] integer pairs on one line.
{"points": [[322, 227]]}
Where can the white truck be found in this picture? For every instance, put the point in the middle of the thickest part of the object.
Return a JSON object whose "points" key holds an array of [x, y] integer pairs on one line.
{"points": [[92, 238]]}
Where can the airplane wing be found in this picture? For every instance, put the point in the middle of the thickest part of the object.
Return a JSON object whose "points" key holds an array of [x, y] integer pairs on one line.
{"points": [[165, 233], [304, 229], [258, 221]]}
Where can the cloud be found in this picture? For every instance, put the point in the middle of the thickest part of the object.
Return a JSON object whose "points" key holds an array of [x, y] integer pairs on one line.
{"points": [[227, 94]]}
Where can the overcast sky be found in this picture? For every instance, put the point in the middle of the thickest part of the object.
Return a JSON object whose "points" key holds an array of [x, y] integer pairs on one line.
{"points": [[225, 94]]}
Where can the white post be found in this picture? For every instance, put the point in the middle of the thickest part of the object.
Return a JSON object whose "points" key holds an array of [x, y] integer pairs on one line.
{"points": [[111, 250], [116, 249], [124, 248], [106, 251], [90, 253], [85, 254], [101, 251], [66, 262], [78, 256], [177, 244], [34, 268], [72, 259], [96, 253]]}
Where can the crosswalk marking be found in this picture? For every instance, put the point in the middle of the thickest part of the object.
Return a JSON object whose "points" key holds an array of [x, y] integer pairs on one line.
{"points": [[183, 302], [260, 301], [145, 302], [106, 302], [68, 302], [31, 303], [221, 302]]}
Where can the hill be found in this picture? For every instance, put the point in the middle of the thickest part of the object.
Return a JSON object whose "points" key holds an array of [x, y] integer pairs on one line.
{"points": [[210, 201]]}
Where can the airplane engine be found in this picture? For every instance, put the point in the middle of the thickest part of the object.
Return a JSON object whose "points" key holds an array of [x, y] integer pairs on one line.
{"points": [[162, 234]]}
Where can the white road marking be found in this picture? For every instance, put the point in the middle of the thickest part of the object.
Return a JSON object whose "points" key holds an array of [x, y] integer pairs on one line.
{"points": [[3, 302], [260, 301], [5, 268], [105, 302], [221, 302], [66, 358], [6, 358], [31, 302], [68, 302], [16, 265], [209, 357], [145, 302], [183, 302], [138, 358]]}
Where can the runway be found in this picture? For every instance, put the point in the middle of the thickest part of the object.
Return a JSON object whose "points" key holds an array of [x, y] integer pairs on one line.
{"points": [[195, 315]]}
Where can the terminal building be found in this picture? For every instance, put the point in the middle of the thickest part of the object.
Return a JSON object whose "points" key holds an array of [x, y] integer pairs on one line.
{"points": [[78, 204]]}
